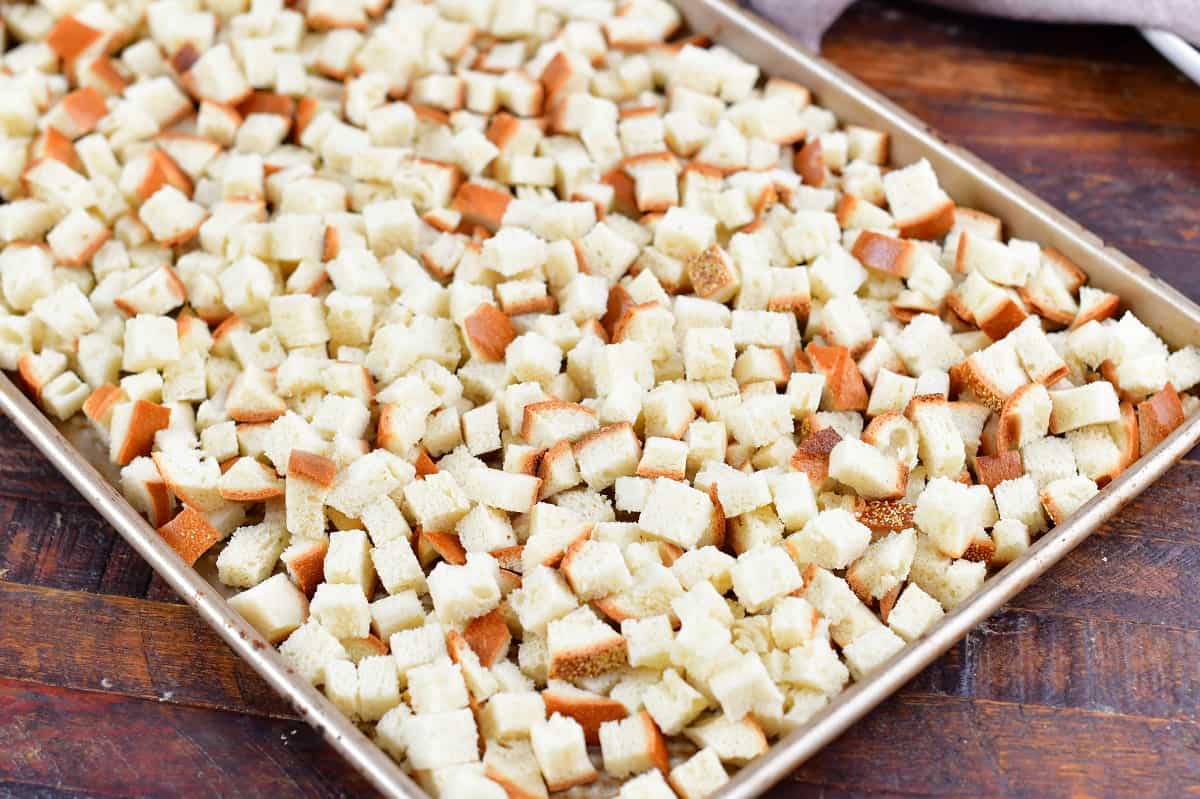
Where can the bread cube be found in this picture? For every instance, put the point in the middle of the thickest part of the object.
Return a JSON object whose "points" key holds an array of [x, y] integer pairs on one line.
{"points": [[814, 665], [437, 687], [673, 703], [650, 785], [438, 740], [580, 645], [509, 716], [561, 753], [274, 607], [663, 457], [677, 513], [832, 539], [436, 501], [310, 649], [632, 745], [1095, 403], [170, 216], [946, 580], [1064, 496], [552, 530], [461, 593], [399, 611], [595, 569], [606, 454], [699, 776], [762, 575], [417, 646], [914, 613], [342, 610]]}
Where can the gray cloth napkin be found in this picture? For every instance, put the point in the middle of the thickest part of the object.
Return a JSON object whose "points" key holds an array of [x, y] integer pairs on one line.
{"points": [[809, 19]]}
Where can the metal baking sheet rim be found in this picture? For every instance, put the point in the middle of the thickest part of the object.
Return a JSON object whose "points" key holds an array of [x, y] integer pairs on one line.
{"points": [[1178, 321]]}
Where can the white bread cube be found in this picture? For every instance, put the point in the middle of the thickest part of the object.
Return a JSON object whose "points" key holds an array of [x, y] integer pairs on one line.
{"points": [[922, 209], [397, 566], [580, 645], [1183, 368], [884, 566], [793, 497], [1025, 417], [250, 555], [663, 457], [274, 607], [673, 703], [389, 732], [700, 776], [804, 392], [436, 501], [941, 447], [890, 393], [1019, 500], [1012, 538], [1095, 403], [342, 610], [1048, 459], [462, 593], [926, 344], [561, 753], [606, 454], [437, 740], [342, 686], [946, 580], [485, 529], [595, 569], [348, 561], [793, 622], [418, 646], [832, 540], [545, 423], [744, 687], [870, 472], [708, 353], [953, 515], [514, 766], [508, 491], [378, 687], [867, 652], [151, 342], [481, 429], [399, 611], [764, 574], [761, 419], [914, 613], [677, 513], [704, 564], [1064, 496], [543, 597], [632, 745], [508, 716], [814, 665], [650, 785], [667, 411], [552, 530], [649, 641], [310, 649], [437, 687], [170, 216]]}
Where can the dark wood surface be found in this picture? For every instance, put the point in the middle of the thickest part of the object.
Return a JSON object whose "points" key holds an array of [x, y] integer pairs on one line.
{"points": [[1087, 684]]}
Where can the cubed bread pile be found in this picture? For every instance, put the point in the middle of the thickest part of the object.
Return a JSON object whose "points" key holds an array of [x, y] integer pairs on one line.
{"points": [[553, 391]]}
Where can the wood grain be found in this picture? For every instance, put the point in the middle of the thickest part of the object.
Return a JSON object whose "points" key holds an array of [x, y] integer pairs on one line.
{"points": [[1085, 685], [114, 745]]}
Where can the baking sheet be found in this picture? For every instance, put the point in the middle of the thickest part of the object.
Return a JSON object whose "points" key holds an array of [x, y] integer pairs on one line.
{"points": [[971, 183]]}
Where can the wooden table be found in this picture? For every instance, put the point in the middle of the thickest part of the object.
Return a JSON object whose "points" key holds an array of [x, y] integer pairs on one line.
{"points": [[1086, 685]]}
